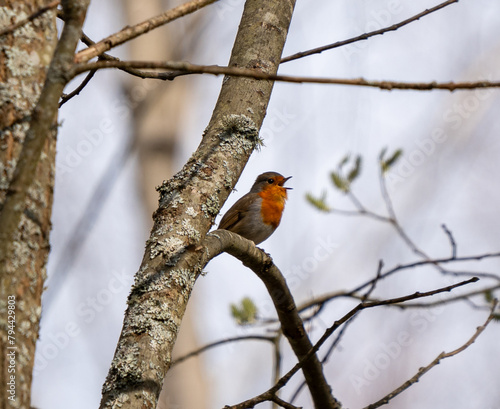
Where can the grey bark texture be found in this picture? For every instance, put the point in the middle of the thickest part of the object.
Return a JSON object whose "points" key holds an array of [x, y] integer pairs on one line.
{"points": [[32, 66], [187, 207], [160, 111]]}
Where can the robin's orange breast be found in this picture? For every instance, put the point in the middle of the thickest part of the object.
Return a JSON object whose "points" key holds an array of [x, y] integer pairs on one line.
{"points": [[273, 203]]}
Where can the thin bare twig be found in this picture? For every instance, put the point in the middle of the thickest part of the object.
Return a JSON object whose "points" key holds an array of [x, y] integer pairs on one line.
{"points": [[277, 364], [165, 76], [432, 262], [370, 304], [453, 244], [66, 97], [374, 282], [106, 57], [319, 302], [439, 358], [31, 17], [276, 399], [367, 35], [268, 396], [491, 276], [362, 210], [460, 297], [219, 343], [394, 220], [250, 73], [131, 32]]}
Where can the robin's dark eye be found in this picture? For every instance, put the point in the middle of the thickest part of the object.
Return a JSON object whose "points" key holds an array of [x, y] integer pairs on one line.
{"points": [[270, 181]]}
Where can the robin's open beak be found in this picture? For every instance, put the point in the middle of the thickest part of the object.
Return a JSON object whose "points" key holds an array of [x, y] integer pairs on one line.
{"points": [[283, 182]]}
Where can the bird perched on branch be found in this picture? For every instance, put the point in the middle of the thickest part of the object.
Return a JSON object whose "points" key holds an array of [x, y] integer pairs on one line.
{"points": [[257, 214]]}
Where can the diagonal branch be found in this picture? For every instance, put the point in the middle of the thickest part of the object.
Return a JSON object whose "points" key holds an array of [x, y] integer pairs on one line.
{"points": [[186, 67], [131, 32], [365, 36], [77, 90], [291, 323], [439, 358]]}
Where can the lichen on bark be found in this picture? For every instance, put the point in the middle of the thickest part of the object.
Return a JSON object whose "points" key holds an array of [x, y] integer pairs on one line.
{"points": [[188, 205], [24, 57]]}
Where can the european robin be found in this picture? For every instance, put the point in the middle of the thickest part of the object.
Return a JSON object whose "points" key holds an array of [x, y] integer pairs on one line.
{"points": [[257, 214]]}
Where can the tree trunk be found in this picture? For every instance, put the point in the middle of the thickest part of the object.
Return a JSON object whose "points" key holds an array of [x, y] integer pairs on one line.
{"points": [[159, 112], [27, 152], [24, 58], [188, 205]]}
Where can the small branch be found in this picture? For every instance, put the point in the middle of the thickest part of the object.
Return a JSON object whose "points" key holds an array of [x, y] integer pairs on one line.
{"points": [[249, 73], [282, 403], [374, 281], [264, 397], [291, 324], [277, 363], [106, 57], [77, 90], [369, 304], [367, 35], [453, 244], [439, 358], [362, 210], [222, 342], [31, 17], [434, 262], [461, 297], [393, 219], [131, 32], [165, 76], [320, 302]]}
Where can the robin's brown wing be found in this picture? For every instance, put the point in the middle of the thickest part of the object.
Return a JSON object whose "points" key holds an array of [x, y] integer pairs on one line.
{"points": [[237, 211]]}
